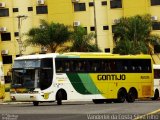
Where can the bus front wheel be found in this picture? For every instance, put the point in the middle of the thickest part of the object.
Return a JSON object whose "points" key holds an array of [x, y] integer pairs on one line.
{"points": [[98, 101], [121, 96], [59, 98]]}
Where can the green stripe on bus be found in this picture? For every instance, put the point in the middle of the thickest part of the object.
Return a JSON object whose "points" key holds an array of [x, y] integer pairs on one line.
{"points": [[88, 83], [77, 83]]}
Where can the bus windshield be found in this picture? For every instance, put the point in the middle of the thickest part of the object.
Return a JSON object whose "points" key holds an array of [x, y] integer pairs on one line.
{"points": [[32, 73], [25, 78]]}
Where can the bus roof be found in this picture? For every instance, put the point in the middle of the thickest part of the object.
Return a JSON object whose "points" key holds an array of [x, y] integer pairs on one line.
{"points": [[37, 56], [102, 55], [82, 55]]}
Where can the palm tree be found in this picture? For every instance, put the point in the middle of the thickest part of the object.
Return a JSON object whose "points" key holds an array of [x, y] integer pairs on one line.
{"points": [[132, 35], [50, 35], [82, 42]]}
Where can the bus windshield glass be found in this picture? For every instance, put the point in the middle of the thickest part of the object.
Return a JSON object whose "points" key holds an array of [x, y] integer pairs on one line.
{"points": [[32, 73], [24, 78]]}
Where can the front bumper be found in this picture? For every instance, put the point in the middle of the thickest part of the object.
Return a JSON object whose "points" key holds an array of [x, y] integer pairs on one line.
{"points": [[26, 97]]}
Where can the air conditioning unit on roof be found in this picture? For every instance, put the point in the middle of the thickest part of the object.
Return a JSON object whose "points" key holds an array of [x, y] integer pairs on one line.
{"points": [[3, 29], [74, 1], [2, 4], [76, 23], [40, 2], [154, 18], [4, 52]]}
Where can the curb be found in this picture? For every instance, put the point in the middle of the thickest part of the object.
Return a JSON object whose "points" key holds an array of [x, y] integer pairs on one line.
{"points": [[13, 103]]}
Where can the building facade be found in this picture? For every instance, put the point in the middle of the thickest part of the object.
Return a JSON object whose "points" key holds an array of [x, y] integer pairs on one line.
{"points": [[99, 16]]}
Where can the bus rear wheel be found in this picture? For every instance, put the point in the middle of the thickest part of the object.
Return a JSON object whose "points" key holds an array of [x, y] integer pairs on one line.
{"points": [[108, 100], [35, 103], [131, 96]]}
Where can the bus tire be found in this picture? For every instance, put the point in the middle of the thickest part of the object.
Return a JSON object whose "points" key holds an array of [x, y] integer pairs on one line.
{"points": [[59, 98], [131, 96], [35, 103], [156, 95], [108, 100], [121, 96], [98, 101]]}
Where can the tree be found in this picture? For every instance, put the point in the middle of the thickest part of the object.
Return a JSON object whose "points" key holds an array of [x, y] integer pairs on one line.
{"points": [[132, 35], [50, 35], [82, 42]]}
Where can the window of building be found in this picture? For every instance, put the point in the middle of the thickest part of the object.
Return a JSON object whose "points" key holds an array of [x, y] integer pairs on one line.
{"points": [[156, 48], [41, 9], [7, 59], [16, 34], [15, 9], [155, 2], [104, 2], [105, 28], [156, 25], [5, 36], [79, 7], [4, 12], [116, 3], [17, 55], [91, 4], [107, 50], [30, 8], [92, 28]]}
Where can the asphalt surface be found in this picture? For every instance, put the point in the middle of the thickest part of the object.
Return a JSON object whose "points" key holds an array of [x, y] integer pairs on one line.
{"points": [[80, 111]]}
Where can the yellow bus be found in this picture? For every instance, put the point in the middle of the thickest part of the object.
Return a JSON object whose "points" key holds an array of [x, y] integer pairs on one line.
{"points": [[99, 77]]}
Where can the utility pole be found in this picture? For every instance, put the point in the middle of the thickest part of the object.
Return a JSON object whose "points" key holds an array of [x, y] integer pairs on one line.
{"points": [[19, 40], [95, 23]]}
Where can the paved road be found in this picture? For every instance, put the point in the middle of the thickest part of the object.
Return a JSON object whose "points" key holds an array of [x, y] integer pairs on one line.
{"points": [[78, 111]]}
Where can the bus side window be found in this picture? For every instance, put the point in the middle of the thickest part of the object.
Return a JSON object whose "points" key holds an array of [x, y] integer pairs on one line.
{"points": [[71, 66], [66, 66], [88, 66], [94, 66], [112, 66], [119, 66], [107, 66], [101, 67], [59, 66]]}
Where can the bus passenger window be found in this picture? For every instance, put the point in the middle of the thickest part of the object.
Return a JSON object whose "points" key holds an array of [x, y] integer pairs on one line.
{"points": [[125, 68], [59, 66], [80, 67], [67, 67], [140, 68]]}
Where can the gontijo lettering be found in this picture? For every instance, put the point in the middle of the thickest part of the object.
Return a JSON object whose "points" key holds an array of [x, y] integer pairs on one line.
{"points": [[111, 77]]}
